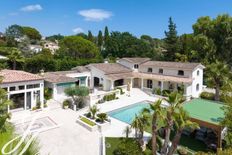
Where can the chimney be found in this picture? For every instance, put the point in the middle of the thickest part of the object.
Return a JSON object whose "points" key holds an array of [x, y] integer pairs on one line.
{"points": [[42, 72]]}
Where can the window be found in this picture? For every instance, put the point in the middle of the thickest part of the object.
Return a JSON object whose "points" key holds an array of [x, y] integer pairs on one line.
{"points": [[149, 83], [180, 72], [159, 83], [149, 70], [197, 87], [198, 73], [12, 89], [136, 66], [161, 71], [21, 87], [33, 86]]}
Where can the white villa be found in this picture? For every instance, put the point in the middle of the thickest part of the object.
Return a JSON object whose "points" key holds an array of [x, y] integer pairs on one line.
{"points": [[26, 90], [147, 75]]}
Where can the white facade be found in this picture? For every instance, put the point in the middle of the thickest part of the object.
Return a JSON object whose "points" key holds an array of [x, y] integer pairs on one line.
{"points": [[32, 93], [193, 88]]}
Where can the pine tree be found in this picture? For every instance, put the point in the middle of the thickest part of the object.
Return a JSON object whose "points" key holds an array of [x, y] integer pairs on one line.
{"points": [[171, 41], [100, 39], [90, 36]]}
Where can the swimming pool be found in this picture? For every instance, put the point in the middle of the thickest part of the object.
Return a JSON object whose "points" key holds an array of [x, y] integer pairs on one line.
{"points": [[127, 114]]}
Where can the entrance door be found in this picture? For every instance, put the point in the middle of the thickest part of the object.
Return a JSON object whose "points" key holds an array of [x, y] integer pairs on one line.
{"points": [[149, 84], [96, 82], [18, 101], [28, 100], [136, 83]]}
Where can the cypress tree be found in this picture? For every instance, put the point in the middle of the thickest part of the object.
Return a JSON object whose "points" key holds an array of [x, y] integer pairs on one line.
{"points": [[90, 36], [99, 39], [171, 41]]}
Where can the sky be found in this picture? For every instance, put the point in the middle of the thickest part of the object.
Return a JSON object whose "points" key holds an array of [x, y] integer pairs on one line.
{"points": [[68, 17]]}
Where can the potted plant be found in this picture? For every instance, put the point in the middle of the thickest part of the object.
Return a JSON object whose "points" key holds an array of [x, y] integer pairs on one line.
{"points": [[93, 110], [66, 104], [102, 117]]}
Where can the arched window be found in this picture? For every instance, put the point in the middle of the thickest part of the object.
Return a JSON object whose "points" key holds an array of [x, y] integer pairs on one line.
{"points": [[197, 87], [198, 72]]}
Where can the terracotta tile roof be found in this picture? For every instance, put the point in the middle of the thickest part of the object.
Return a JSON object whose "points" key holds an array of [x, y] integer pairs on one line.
{"points": [[12, 76], [57, 77], [179, 65], [137, 60], [111, 68]]}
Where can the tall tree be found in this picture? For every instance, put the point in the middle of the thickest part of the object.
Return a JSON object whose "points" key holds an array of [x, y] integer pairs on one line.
{"points": [[182, 121], [100, 39], [76, 47], [171, 41], [90, 36], [157, 116], [218, 73], [31, 32], [106, 33], [14, 31], [15, 57], [218, 31], [176, 101]]}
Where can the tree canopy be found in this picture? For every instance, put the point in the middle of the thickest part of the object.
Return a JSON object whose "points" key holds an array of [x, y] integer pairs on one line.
{"points": [[76, 47]]}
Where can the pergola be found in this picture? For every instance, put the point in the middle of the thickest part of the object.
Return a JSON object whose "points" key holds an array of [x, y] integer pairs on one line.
{"points": [[207, 114]]}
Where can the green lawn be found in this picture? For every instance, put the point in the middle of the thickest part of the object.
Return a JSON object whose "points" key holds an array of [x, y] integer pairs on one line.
{"points": [[111, 144]]}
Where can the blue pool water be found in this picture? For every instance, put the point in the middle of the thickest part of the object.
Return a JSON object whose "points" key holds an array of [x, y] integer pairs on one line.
{"points": [[127, 114]]}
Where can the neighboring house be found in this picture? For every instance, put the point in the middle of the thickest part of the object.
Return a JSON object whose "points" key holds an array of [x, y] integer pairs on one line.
{"points": [[26, 90], [145, 74], [52, 46], [35, 48], [59, 81]]}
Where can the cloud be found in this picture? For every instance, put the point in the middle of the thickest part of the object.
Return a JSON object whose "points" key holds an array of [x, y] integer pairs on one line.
{"points": [[30, 8], [95, 14], [78, 30]]}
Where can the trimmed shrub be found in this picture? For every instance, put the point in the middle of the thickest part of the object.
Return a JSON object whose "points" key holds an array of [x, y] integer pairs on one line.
{"points": [[65, 103], [109, 97], [207, 95]]}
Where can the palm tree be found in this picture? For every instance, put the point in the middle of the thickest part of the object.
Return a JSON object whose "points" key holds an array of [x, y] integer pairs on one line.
{"points": [[143, 122], [15, 56], [93, 110], [157, 113], [127, 131], [175, 101], [218, 73], [182, 121], [135, 125]]}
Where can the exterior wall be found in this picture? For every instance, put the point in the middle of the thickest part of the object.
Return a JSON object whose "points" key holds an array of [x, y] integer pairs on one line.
{"points": [[197, 79], [166, 71], [26, 90], [102, 78]]}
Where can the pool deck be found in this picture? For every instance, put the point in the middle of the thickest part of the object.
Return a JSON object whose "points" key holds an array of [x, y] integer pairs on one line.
{"points": [[117, 127]]}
